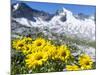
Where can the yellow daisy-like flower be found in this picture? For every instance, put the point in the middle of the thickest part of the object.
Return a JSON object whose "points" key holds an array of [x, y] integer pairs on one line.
{"points": [[85, 61], [39, 43], [36, 59], [18, 44], [72, 68], [63, 52], [27, 49], [50, 50]]}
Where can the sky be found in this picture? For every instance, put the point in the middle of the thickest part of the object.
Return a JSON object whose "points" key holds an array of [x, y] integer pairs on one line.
{"points": [[53, 7]]}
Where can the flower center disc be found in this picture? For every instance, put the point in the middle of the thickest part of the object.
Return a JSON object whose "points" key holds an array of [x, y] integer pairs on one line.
{"points": [[63, 54], [39, 57], [39, 44]]}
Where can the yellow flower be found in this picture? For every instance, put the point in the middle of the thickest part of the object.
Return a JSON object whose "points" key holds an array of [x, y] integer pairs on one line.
{"points": [[49, 49], [86, 67], [36, 59], [18, 44], [27, 49], [72, 68], [85, 61], [39, 43], [63, 52]]}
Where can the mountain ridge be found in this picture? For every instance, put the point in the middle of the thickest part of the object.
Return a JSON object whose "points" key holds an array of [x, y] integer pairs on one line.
{"points": [[63, 22]]}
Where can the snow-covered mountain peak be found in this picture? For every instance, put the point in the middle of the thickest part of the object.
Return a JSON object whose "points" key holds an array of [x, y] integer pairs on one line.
{"points": [[25, 11], [15, 6], [64, 11], [64, 15]]}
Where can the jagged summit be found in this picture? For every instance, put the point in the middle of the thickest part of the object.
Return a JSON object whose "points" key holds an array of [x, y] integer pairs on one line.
{"points": [[64, 14], [66, 10], [63, 10], [20, 6], [20, 10]]}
